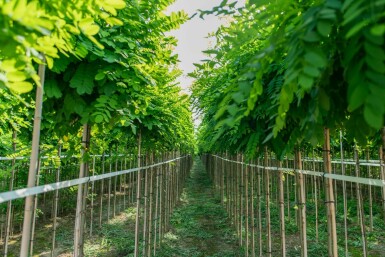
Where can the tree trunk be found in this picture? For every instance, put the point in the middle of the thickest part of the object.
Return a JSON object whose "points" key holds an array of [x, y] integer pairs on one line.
{"points": [[344, 196], [330, 204], [281, 209], [137, 218], [56, 204], [267, 194], [28, 209], [360, 206], [9, 205], [301, 203], [80, 204]]}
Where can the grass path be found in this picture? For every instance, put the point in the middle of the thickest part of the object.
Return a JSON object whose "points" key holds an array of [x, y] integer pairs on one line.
{"points": [[199, 225]]}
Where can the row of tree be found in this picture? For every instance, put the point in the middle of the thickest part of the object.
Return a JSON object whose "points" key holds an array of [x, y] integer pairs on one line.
{"points": [[284, 75], [107, 72]]}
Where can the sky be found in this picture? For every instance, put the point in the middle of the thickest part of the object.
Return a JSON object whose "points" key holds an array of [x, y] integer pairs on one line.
{"points": [[192, 35]]}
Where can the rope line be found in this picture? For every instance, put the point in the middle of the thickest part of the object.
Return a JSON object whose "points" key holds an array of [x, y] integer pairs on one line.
{"points": [[366, 181], [24, 192]]}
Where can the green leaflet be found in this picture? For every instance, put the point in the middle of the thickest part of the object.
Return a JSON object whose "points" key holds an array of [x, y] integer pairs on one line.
{"points": [[83, 79]]}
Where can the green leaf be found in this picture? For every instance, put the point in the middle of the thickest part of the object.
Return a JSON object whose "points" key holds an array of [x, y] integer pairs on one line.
{"points": [[232, 109], [374, 51], [100, 76], [83, 78], [99, 118], [311, 36], [118, 4], [324, 100], [358, 97], [324, 28], [20, 87], [378, 30], [52, 89], [16, 76], [316, 59], [88, 27], [238, 97], [373, 118], [375, 64], [311, 71], [305, 81]]}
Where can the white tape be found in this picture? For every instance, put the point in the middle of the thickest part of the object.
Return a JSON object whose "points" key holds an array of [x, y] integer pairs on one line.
{"points": [[21, 193], [366, 181]]}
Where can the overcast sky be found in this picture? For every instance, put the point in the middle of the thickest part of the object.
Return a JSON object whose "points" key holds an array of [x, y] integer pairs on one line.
{"points": [[192, 35]]}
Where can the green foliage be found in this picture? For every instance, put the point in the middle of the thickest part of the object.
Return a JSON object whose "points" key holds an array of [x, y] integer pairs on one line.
{"points": [[33, 31], [282, 71]]}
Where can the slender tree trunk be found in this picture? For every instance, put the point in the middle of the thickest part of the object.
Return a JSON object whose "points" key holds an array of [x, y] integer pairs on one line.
{"points": [[137, 219], [31, 245], [109, 189], [370, 193], [330, 204], [247, 208], [145, 215], [28, 209], [92, 196], [301, 204], [344, 196], [9, 204], [267, 194], [79, 218], [102, 192], [360, 216], [259, 210], [382, 163], [315, 199], [157, 211], [252, 211], [281, 209], [56, 204]]}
